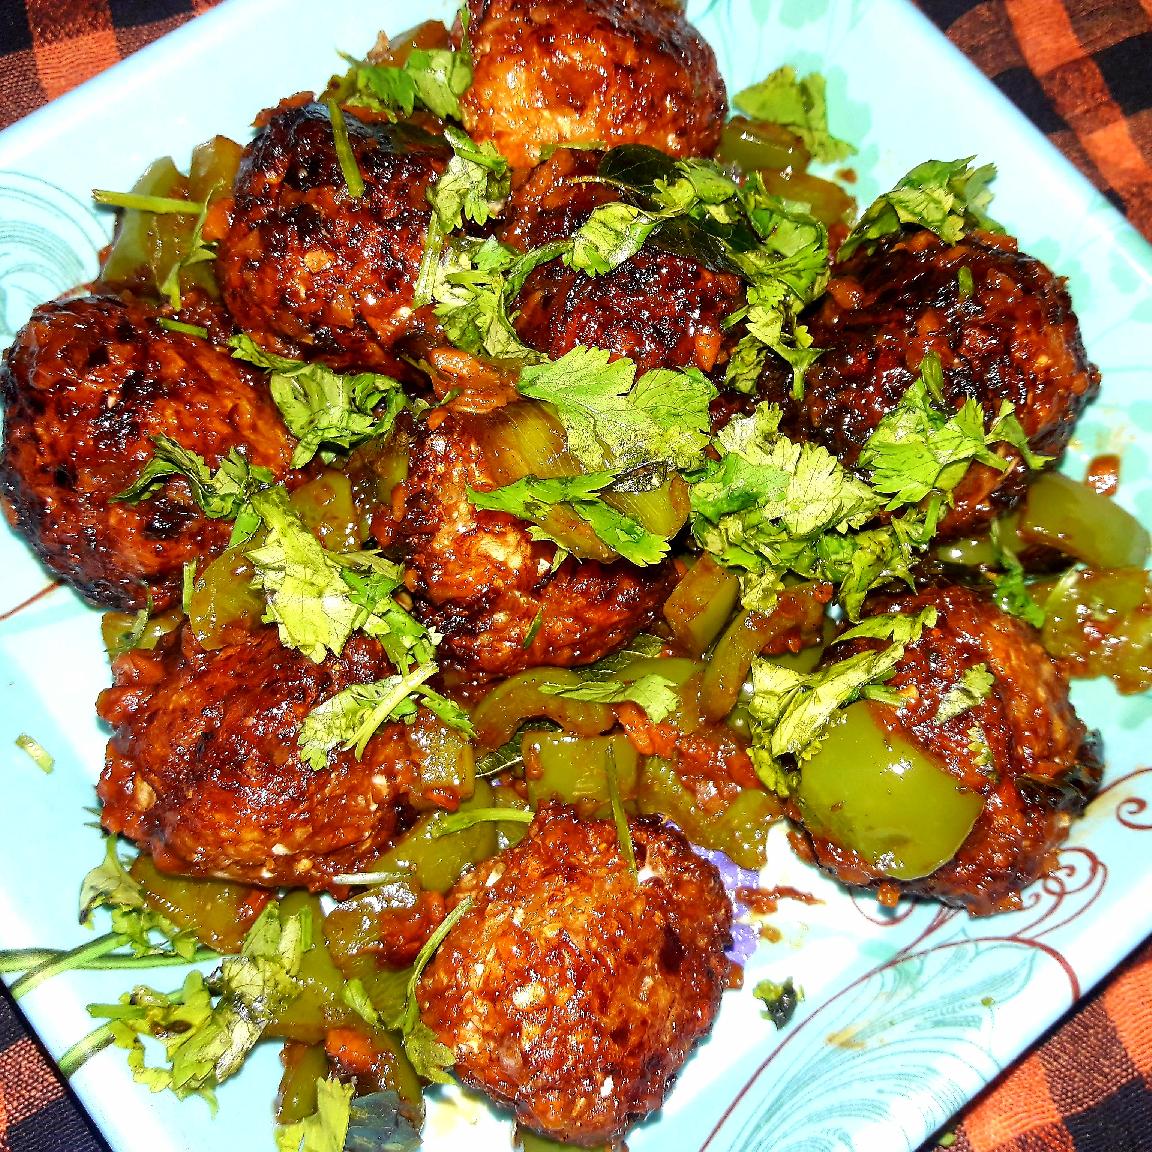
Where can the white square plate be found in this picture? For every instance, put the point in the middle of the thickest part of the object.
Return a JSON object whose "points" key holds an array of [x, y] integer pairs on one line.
{"points": [[906, 1015]]}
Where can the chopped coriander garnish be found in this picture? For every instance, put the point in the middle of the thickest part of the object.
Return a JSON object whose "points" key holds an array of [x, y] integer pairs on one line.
{"points": [[42, 759], [948, 197], [323, 409], [791, 710], [798, 104], [654, 693], [779, 1000], [615, 421], [324, 1130], [532, 499], [220, 495], [970, 690], [350, 718]]}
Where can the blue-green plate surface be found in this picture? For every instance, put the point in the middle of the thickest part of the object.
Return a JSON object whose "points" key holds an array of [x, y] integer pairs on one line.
{"points": [[906, 1016]]}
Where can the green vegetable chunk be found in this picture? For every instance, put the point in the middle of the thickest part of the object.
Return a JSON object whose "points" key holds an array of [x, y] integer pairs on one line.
{"points": [[1079, 522], [884, 798]]}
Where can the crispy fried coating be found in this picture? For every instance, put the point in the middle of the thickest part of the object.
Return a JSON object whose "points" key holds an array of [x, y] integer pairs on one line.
{"points": [[479, 579], [1043, 764], [553, 72], [573, 991], [86, 385], [202, 768], [1004, 330], [311, 271]]}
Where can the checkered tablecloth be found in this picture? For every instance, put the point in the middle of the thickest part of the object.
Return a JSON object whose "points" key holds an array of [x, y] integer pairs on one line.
{"points": [[1082, 71]]}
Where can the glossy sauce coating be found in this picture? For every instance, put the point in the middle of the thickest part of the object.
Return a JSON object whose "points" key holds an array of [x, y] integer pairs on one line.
{"points": [[659, 309], [571, 989], [1012, 337], [1042, 764], [548, 72], [202, 769], [479, 579], [85, 386], [307, 269]]}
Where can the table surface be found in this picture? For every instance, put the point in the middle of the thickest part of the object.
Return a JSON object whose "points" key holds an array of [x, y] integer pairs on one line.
{"points": [[1082, 71]]}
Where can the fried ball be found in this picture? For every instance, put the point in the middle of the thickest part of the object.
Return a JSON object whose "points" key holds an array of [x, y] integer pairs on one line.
{"points": [[479, 578], [549, 72], [572, 990], [661, 310], [1002, 325], [1021, 749], [311, 271], [202, 769], [86, 386]]}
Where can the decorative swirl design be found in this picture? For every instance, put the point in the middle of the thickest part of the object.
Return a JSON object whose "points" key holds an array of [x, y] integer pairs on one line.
{"points": [[903, 1062], [49, 241], [1132, 812]]}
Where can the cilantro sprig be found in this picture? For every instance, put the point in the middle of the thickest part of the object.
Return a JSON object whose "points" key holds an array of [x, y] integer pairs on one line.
{"points": [[792, 710], [328, 412], [797, 103], [948, 197]]}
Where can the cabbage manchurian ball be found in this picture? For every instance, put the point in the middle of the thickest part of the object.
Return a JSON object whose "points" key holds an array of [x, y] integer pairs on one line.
{"points": [[87, 385], [573, 990], [308, 269], [550, 72]]}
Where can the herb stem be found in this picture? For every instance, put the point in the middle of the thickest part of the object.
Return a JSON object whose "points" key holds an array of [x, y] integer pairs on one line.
{"points": [[67, 961], [96, 1041], [161, 205], [25, 959], [348, 166]]}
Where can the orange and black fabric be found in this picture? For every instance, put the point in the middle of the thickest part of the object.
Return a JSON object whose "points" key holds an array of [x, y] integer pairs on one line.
{"points": [[1082, 71]]}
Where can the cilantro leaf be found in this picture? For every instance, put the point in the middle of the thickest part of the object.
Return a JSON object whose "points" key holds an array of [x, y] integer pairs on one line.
{"points": [[532, 499], [206, 1042], [948, 197], [433, 78], [326, 1129], [349, 719], [654, 693], [322, 408], [613, 420], [798, 104], [220, 495], [770, 506], [474, 286], [918, 448], [612, 234], [110, 885], [780, 1000], [318, 598], [791, 710], [473, 186], [972, 688]]}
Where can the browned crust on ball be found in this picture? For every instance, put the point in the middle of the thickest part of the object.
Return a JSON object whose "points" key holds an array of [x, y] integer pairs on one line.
{"points": [[1043, 768], [479, 579], [1013, 338], [549, 72], [307, 269], [87, 384], [573, 991], [202, 769]]}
